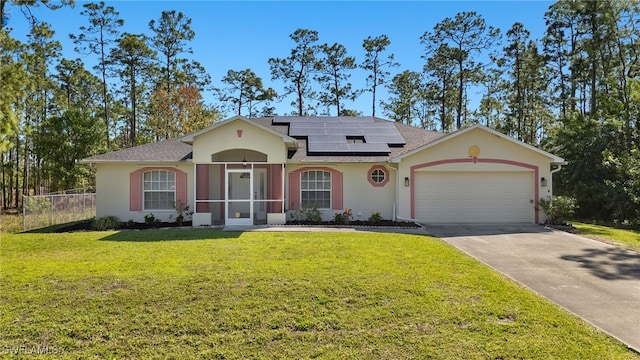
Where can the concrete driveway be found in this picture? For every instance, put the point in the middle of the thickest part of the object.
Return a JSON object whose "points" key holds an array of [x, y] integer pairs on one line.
{"points": [[595, 281]]}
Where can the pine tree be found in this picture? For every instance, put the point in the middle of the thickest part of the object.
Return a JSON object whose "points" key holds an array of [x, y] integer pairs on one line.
{"points": [[377, 65], [97, 38], [295, 70]]}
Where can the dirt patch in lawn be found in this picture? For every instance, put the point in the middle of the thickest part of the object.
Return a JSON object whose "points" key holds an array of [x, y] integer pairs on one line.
{"points": [[381, 223], [86, 225]]}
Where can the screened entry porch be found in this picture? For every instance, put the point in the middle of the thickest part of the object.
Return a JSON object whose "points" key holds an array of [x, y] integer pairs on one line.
{"points": [[239, 193]]}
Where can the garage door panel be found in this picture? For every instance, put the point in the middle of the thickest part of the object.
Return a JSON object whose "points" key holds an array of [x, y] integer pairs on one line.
{"points": [[474, 196]]}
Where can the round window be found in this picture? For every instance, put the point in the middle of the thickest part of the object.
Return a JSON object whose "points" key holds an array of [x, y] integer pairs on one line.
{"points": [[378, 176]]}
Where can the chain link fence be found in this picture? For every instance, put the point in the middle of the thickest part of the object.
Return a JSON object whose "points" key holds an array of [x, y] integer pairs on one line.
{"points": [[58, 208]]}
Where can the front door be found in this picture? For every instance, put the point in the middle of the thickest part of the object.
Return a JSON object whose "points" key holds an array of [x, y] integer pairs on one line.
{"points": [[239, 189]]}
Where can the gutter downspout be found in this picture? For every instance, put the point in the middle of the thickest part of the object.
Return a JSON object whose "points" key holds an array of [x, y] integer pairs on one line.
{"points": [[553, 171], [397, 192], [557, 169]]}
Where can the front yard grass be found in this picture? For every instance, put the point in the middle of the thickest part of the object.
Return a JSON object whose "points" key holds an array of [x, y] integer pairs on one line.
{"points": [[10, 223], [625, 238], [204, 293]]}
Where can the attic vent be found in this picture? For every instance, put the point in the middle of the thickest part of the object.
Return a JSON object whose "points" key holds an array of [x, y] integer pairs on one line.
{"points": [[356, 139]]}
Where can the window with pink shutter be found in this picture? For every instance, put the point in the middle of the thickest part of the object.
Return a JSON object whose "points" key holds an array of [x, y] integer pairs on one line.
{"points": [[157, 188], [321, 186]]}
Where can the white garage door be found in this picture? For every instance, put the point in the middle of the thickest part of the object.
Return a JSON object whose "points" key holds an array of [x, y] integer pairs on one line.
{"points": [[474, 197]]}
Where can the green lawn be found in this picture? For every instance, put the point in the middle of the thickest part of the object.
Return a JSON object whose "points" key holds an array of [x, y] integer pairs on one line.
{"points": [[10, 223], [208, 294], [625, 238]]}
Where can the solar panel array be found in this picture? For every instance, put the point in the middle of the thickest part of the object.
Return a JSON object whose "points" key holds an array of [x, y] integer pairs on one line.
{"points": [[333, 134]]}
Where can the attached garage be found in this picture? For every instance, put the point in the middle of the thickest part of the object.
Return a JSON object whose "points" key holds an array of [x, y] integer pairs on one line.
{"points": [[474, 197]]}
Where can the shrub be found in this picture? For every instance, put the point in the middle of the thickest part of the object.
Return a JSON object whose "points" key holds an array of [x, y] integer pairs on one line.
{"points": [[375, 217], [106, 223], [182, 209], [558, 209], [343, 217], [150, 219], [308, 214]]}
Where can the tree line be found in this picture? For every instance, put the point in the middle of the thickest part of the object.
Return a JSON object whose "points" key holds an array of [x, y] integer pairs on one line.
{"points": [[575, 92]]}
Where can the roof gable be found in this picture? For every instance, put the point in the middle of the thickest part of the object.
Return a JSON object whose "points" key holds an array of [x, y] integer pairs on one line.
{"points": [[554, 159], [191, 137]]}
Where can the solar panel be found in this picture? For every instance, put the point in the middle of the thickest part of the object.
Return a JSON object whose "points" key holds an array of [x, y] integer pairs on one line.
{"points": [[307, 124], [304, 132], [356, 119], [337, 139], [330, 134], [306, 128], [331, 119], [385, 139], [379, 125], [343, 130], [328, 148], [376, 139]]}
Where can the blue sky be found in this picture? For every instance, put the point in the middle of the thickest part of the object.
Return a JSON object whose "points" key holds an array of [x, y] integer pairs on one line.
{"points": [[245, 34]]}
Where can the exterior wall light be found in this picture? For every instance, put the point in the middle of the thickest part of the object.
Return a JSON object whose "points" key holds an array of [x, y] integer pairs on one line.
{"points": [[406, 181], [543, 182]]}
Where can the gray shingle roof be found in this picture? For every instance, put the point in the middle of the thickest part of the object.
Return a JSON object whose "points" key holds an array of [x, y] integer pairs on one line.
{"points": [[171, 150], [174, 150]]}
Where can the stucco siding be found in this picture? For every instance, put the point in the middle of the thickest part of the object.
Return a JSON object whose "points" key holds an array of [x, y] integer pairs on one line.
{"points": [[113, 183], [239, 135], [495, 155], [358, 194]]}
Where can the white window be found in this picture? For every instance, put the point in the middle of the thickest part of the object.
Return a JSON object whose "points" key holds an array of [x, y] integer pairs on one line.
{"points": [[159, 190], [378, 176], [315, 189]]}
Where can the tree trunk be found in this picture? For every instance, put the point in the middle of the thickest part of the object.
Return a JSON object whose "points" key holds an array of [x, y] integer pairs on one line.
{"points": [[105, 106], [336, 84], [17, 173], [10, 176], [4, 183], [373, 92], [300, 93], [574, 73], [132, 130], [443, 105], [460, 95], [593, 70], [25, 168]]}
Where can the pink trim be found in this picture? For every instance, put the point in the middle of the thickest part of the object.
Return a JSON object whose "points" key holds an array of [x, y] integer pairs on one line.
{"points": [[275, 187], [202, 187], [370, 174], [536, 190], [294, 190], [135, 191], [135, 186], [337, 190], [181, 188], [337, 187]]}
